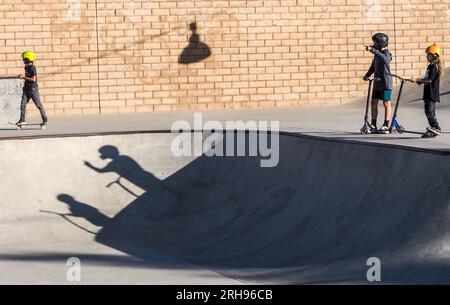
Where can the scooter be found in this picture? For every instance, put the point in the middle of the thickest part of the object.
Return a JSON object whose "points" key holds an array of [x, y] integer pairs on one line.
{"points": [[367, 126], [394, 123]]}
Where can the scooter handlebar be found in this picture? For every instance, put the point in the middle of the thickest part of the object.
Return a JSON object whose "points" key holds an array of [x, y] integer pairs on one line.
{"points": [[401, 78]]}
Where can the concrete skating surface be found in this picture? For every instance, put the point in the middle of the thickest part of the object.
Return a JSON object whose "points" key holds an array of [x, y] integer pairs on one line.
{"points": [[134, 213], [336, 198]]}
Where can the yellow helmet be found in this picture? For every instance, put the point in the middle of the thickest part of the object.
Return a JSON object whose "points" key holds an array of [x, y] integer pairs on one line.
{"points": [[29, 55], [434, 49]]}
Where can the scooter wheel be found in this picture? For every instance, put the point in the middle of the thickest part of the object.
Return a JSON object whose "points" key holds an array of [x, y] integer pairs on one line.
{"points": [[364, 130], [401, 129]]}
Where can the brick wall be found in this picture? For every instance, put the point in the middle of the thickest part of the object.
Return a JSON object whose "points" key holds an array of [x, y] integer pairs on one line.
{"points": [[123, 56]]}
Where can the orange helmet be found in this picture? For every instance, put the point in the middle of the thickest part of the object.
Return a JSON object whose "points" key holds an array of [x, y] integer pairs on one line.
{"points": [[434, 49]]}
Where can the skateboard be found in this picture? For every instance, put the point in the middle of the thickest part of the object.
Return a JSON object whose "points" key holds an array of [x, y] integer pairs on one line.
{"points": [[21, 127]]}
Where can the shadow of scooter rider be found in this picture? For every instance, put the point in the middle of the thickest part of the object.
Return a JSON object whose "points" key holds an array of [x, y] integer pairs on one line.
{"points": [[128, 169], [125, 167]]}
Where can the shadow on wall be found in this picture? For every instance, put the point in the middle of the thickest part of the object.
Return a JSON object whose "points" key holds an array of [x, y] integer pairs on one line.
{"points": [[139, 44], [196, 51], [230, 215]]}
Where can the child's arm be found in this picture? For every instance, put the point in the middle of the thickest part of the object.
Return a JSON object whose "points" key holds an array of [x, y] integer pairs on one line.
{"points": [[421, 81], [370, 72], [431, 76], [32, 75], [30, 79], [386, 58]]}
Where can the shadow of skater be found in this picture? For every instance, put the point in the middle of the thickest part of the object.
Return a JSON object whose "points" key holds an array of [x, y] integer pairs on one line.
{"points": [[83, 210], [196, 50], [125, 167]]}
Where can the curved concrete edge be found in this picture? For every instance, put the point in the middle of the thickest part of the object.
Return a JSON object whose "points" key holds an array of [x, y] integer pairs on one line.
{"points": [[284, 133]]}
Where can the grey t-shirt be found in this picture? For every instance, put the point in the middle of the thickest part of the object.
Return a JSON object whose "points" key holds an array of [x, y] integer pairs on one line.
{"points": [[381, 68]]}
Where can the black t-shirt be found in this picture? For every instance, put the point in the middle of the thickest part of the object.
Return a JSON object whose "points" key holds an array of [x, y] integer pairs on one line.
{"points": [[431, 90], [30, 71]]}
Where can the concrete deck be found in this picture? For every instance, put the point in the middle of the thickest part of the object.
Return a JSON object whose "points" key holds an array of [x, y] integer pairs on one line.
{"points": [[340, 122]]}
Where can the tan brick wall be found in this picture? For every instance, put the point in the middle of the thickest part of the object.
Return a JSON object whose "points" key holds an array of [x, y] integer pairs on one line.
{"points": [[264, 53]]}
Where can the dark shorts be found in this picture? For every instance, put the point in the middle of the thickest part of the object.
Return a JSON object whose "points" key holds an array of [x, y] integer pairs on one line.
{"points": [[384, 95]]}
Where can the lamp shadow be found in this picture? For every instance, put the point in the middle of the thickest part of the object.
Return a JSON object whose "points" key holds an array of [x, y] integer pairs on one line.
{"points": [[196, 50]]}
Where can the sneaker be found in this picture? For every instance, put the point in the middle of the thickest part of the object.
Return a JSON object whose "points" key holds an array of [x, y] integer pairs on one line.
{"points": [[368, 129], [371, 129], [436, 131], [428, 135], [384, 129], [20, 123]]}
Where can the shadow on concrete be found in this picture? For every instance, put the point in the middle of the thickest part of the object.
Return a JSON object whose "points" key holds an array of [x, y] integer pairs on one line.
{"points": [[196, 51], [8, 129], [324, 205], [428, 272], [83, 210], [125, 167], [421, 100], [100, 259]]}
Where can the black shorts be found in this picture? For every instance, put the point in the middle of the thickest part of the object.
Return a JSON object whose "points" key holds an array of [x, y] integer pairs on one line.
{"points": [[384, 95]]}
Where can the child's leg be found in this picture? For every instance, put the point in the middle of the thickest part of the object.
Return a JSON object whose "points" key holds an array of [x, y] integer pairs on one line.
{"points": [[387, 95], [374, 110], [430, 112], [387, 112], [37, 101], [23, 106]]}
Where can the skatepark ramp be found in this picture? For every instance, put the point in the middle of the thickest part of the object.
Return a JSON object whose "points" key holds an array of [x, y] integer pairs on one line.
{"points": [[317, 217]]}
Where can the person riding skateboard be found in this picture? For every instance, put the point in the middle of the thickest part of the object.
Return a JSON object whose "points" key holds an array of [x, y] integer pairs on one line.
{"points": [[30, 89]]}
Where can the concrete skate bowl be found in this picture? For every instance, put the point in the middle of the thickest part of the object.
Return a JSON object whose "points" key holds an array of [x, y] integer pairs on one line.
{"points": [[315, 218]]}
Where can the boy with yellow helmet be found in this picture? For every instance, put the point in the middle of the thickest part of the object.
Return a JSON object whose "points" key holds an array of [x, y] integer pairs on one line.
{"points": [[30, 88], [431, 92]]}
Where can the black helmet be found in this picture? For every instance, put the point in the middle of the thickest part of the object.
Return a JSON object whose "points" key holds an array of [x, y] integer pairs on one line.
{"points": [[380, 40]]}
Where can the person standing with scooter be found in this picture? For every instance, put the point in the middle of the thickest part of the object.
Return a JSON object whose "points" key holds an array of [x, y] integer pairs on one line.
{"points": [[431, 91], [383, 84]]}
